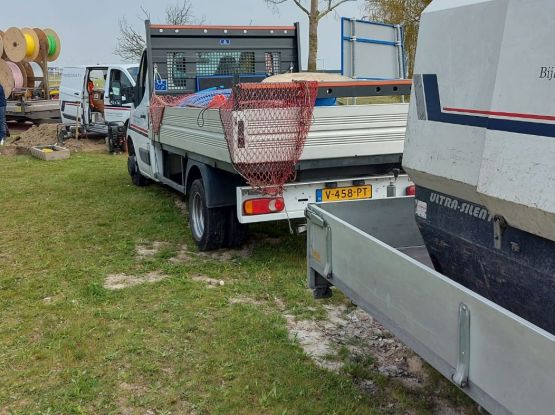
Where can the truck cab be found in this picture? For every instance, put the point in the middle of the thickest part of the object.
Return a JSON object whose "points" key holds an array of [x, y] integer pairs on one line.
{"points": [[98, 99]]}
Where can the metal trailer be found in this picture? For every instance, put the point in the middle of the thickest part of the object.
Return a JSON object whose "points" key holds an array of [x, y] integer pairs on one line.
{"points": [[347, 147], [372, 250], [43, 110]]}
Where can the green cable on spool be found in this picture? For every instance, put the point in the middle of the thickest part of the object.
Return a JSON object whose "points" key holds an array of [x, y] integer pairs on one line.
{"points": [[51, 45]]}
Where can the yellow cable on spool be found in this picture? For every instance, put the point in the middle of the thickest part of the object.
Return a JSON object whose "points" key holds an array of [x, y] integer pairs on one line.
{"points": [[30, 49]]}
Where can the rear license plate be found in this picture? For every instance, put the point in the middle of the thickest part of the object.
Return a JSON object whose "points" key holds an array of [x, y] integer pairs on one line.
{"points": [[344, 193]]}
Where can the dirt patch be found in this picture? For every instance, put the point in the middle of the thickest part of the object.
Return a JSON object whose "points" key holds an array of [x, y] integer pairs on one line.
{"points": [[144, 251], [127, 394], [243, 299], [351, 336], [210, 282], [53, 299], [312, 336], [225, 255], [46, 134], [121, 281], [362, 336], [222, 255], [86, 145], [182, 206], [183, 255]]}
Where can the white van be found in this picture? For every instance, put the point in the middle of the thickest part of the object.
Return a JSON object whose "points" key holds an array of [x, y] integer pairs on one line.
{"points": [[98, 99]]}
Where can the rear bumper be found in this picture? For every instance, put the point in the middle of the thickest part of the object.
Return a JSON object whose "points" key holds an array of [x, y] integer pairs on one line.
{"points": [[297, 196]]}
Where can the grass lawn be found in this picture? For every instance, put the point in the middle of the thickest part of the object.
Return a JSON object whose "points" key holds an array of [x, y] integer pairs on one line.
{"points": [[69, 345]]}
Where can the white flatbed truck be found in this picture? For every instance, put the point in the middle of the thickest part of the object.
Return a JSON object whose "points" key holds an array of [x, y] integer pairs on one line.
{"points": [[464, 272], [350, 151]]}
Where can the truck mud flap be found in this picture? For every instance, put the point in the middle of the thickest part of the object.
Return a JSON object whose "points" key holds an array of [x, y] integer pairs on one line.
{"points": [[372, 251]]}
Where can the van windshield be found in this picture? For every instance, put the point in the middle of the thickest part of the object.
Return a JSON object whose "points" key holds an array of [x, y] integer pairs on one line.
{"points": [[134, 72]]}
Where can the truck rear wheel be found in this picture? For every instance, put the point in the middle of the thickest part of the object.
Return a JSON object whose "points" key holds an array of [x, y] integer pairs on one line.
{"points": [[208, 225]]}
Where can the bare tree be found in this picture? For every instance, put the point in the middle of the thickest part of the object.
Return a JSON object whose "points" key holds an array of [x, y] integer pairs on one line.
{"points": [[403, 12], [131, 42], [316, 11]]}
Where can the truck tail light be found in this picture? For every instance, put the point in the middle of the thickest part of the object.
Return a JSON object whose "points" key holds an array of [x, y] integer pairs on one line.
{"points": [[263, 205], [410, 190]]}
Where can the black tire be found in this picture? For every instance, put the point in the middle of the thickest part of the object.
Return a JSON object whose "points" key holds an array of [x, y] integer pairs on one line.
{"points": [[208, 225], [133, 168], [109, 146], [236, 232]]}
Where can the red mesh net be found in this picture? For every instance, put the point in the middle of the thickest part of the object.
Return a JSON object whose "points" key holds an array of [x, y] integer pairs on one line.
{"points": [[266, 126], [158, 104]]}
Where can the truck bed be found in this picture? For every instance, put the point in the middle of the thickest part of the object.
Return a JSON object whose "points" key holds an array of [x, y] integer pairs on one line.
{"points": [[372, 250], [337, 132]]}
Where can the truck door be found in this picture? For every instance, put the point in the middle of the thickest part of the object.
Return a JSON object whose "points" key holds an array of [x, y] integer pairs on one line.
{"points": [[93, 102], [72, 93], [118, 96], [139, 122]]}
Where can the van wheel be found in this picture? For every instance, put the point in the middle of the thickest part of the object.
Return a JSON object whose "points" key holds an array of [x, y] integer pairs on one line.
{"points": [[133, 168], [208, 225], [237, 232]]}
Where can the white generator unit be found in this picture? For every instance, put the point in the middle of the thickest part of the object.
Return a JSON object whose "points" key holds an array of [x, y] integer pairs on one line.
{"points": [[481, 149]]}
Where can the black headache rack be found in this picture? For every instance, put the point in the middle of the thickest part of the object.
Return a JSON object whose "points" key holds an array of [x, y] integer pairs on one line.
{"points": [[187, 59]]}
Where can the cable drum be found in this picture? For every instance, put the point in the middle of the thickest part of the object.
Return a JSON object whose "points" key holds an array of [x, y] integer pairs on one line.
{"points": [[43, 45], [28, 74], [32, 46], [6, 78], [37, 73], [3, 52], [17, 76], [54, 45], [15, 45]]}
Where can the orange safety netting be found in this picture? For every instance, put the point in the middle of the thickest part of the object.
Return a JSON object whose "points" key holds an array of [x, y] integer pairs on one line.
{"points": [[266, 126], [158, 104]]}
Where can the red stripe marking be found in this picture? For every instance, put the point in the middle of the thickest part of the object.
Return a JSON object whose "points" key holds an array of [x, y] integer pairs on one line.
{"points": [[503, 114], [133, 126]]}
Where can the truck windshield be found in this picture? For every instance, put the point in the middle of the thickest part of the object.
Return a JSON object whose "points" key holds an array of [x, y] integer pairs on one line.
{"points": [[134, 72]]}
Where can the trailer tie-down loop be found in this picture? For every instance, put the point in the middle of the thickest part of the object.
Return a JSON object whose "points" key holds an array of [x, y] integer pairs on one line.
{"points": [[460, 377]]}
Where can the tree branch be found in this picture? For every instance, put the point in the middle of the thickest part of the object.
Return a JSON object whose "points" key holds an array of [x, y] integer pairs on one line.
{"points": [[331, 7], [304, 9]]}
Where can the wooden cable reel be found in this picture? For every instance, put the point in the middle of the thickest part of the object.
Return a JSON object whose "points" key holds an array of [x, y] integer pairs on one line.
{"points": [[6, 78], [15, 44], [54, 45], [3, 53], [43, 45], [19, 48], [29, 74], [32, 44]]}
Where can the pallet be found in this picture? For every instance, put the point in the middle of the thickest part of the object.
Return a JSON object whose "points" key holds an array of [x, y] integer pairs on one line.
{"points": [[58, 153]]}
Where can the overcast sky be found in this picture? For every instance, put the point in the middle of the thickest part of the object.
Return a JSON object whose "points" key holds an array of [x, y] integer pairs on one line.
{"points": [[89, 29]]}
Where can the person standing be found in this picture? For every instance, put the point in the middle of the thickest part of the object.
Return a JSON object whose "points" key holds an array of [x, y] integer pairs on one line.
{"points": [[3, 126]]}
